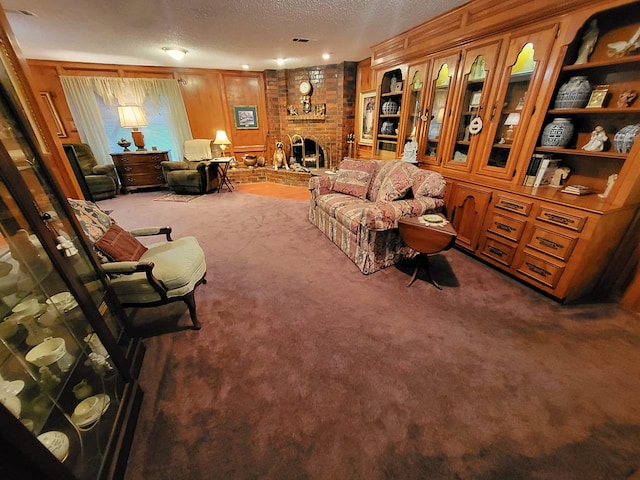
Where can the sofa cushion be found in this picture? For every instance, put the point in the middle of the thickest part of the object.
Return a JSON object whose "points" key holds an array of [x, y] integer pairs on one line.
{"points": [[397, 183], [119, 245], [354, 177], [428, 183], [384, 167]]}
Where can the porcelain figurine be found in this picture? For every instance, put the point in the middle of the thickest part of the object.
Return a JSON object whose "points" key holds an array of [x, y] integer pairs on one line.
{"points": [[598, 139]]}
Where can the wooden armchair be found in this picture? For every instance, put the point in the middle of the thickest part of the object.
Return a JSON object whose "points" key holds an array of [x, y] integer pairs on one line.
{"points": [[144, 276]]}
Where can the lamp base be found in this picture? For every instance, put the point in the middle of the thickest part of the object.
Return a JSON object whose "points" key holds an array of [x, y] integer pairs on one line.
{"points": [[138, 139]]}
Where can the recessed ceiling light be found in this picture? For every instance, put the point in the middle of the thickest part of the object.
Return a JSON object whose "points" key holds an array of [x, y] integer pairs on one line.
{"points": [[176, 53], [326, 56], [245, 66]]}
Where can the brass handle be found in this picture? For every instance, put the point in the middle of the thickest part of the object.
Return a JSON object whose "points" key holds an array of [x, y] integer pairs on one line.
{"points": [[549, 243], [496, 251], [505, 227], [558, 219], [538, 270], [512, 206]]}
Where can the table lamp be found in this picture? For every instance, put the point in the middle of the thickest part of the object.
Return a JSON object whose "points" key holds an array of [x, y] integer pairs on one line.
{"points": [[132, 116], [222, 140], [512, 120]]}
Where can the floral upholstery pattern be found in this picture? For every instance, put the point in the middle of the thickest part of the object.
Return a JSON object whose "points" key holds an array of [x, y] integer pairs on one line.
{"points": [[428, 183], [365, 230], [354, 178], [93, 221], [396, 184]]}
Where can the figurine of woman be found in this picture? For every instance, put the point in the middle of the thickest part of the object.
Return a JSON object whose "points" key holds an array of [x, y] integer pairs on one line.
{"points": [[610, 183], [598, 139], [589, 40]]}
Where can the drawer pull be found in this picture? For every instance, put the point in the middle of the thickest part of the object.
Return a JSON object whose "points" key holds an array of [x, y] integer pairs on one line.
{"points": [[512, 206], [549, 243], [127, 169], [538, 270], [558, 219], [496, 251], [504, 226], [158, 167]]}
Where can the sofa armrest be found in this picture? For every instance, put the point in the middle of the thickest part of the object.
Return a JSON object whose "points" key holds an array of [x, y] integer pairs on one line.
{"points": [[168, 165], [385, 215], [321, 185], [103, 169]]}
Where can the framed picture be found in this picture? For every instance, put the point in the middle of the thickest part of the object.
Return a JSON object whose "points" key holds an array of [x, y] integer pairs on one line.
{"points": [[51, 109], [474, 102], [367, 114], [598, 97], [246, 116]]}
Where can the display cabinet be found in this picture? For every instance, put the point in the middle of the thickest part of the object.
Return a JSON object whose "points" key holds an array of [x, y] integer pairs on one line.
{"points": [[473, 91], [439, 92], [391, 88], [68, 391]]}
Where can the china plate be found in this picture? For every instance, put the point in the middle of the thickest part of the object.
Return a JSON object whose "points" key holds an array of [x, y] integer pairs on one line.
{"points": [[57, 443], [12, 388], [433, 218], [330, 172], [90, 409]]}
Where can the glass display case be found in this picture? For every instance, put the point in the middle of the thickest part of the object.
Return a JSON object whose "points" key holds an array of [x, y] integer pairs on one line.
{"points": [[439, 93], [68, 391], [478, 70], [389, 114]]}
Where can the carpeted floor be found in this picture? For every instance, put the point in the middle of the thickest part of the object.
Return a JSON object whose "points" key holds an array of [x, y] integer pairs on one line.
{"points": [[307, 369]]}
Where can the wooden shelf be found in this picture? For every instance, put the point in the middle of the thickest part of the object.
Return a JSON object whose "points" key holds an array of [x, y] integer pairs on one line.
{"points": [[594, 111], [603, 63], [584, 153]]}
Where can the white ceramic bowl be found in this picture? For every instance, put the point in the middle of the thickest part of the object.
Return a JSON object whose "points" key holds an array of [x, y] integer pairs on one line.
{"points": [[60, 300], [27, 307], [49, 351], [12, 403], [57, 443]]}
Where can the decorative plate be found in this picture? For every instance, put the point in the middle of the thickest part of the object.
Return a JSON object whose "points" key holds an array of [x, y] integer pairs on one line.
{"points": [[431, 218]]}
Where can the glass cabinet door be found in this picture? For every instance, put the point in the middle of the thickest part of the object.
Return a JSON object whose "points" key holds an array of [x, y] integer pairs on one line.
{"points": [[524, 65], [390, 110], [65, 382], [442, 73], [478, 68], [413, 102]]}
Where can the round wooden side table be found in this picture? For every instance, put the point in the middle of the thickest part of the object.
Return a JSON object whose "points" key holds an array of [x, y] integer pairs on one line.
{"points": [[426, 239]]}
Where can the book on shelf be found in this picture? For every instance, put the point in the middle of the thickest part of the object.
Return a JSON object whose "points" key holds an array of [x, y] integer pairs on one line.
{"points": [[547, 170], [577, 190], [532, 169]]}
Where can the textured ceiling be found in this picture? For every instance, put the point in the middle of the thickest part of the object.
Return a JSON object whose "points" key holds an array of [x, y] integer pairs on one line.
{"points": [[217, 34]]}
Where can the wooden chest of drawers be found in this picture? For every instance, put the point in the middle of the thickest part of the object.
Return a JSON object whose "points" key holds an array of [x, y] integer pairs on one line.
{"points": [[140, 169]]}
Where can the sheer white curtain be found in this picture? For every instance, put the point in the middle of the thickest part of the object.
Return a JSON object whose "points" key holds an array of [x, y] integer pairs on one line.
{"points": [[85, 94]]}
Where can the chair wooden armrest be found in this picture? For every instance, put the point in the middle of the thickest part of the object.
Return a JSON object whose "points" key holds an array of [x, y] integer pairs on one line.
{"points": [[128, 268], [148, 231]]}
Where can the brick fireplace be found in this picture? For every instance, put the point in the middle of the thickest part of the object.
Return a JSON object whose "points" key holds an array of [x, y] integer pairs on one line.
{"points": [[313, 129]]}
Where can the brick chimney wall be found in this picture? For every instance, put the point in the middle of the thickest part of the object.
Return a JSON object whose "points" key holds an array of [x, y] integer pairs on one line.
{"points": [[334, 86]]}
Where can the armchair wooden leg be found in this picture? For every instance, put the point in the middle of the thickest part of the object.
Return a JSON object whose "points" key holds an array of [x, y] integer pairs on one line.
{"points": [[190, 300]]}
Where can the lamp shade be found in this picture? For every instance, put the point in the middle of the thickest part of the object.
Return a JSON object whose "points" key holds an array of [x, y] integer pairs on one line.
{"points": [[132, 116], [221, 138], [512, 119]]}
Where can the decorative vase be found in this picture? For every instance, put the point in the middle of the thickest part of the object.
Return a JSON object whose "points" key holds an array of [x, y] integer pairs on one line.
{"points": [[558, 133], [261, 161], [390, 107], [573, 94], [249, 160], [387, 128], [623, 140]]}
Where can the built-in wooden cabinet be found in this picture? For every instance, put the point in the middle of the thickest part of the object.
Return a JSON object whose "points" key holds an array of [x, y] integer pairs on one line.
{"points": [[481, 122]]}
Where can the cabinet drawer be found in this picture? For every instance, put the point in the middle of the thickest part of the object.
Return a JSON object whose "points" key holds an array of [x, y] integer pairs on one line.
{"points": [[139, 168], [498, 250], [514, 205], [563, 219], [141, 180], [544, 272], [506, 226], [552, 243]]}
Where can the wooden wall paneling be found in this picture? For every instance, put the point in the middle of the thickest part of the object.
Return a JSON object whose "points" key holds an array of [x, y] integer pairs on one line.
{"points": [[202, 95], [245, 89]]}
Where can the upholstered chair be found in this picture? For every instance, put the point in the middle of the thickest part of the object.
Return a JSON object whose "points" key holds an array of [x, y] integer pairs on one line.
{"points": [[196, 174], [97, 182], [144, 275]]}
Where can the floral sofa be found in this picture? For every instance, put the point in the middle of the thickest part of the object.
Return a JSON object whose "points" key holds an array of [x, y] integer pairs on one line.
{"points": [[359, 208]]}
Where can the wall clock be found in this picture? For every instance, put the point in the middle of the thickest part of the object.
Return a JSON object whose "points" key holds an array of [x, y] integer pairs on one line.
{"points": [[305, 87]]}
